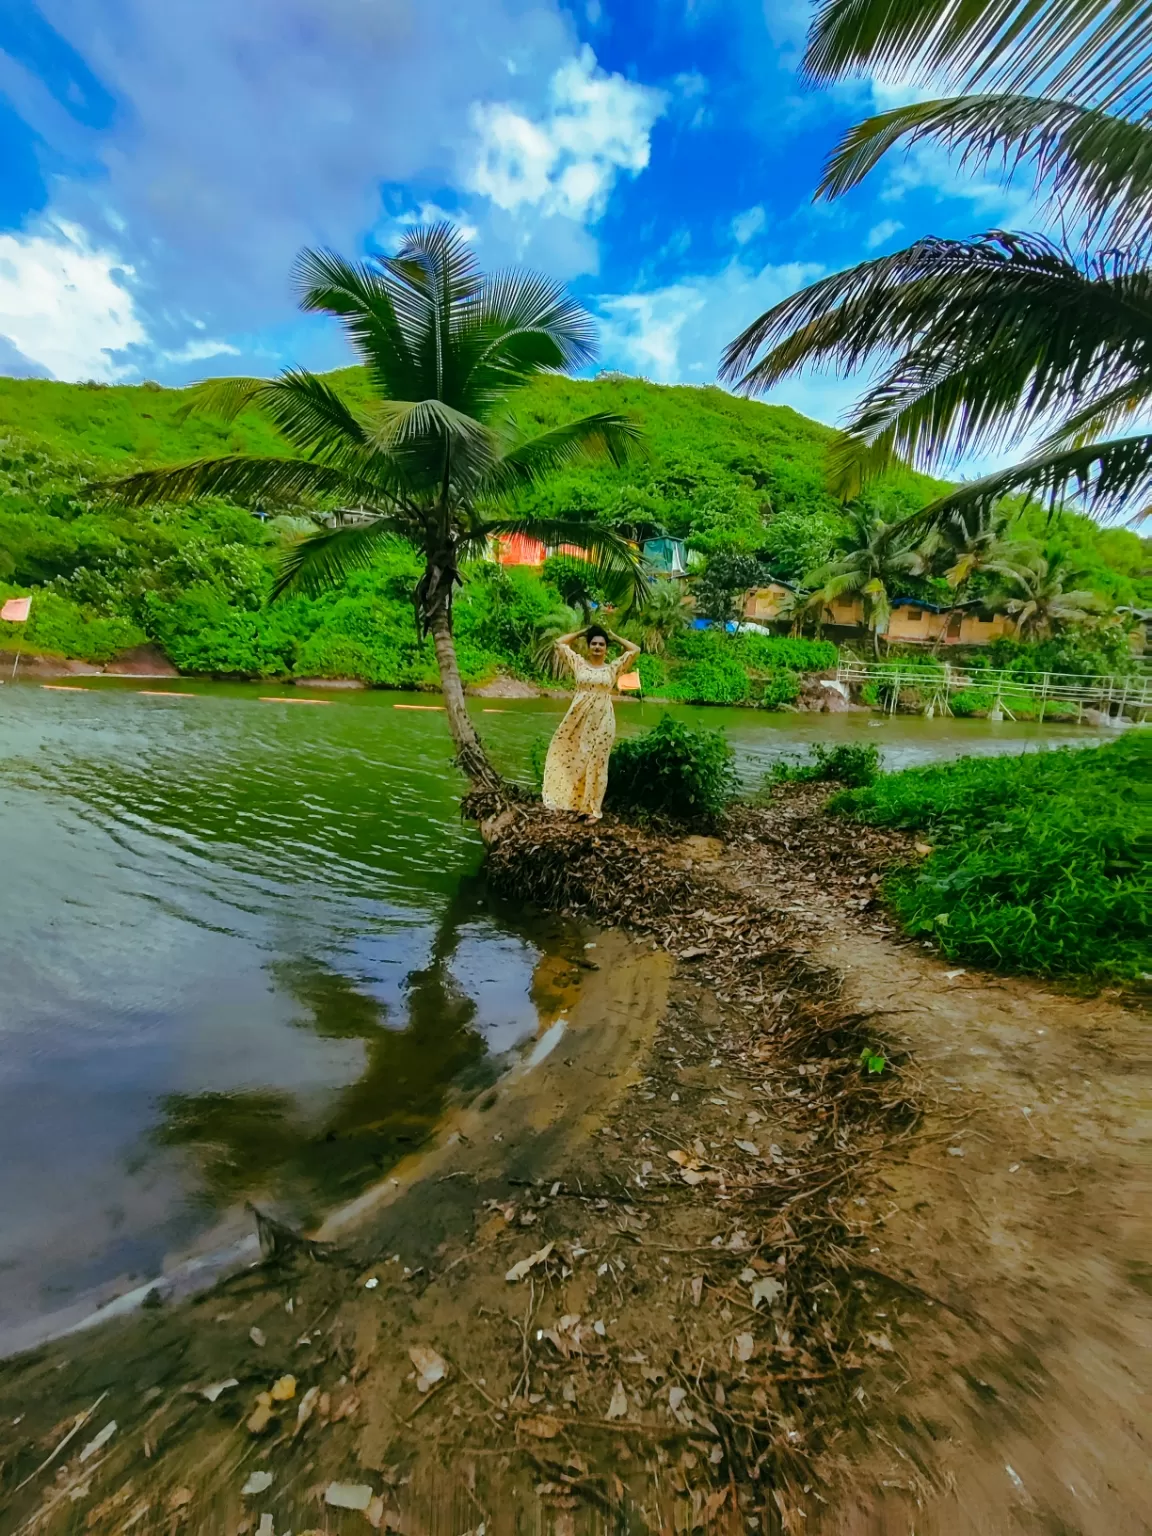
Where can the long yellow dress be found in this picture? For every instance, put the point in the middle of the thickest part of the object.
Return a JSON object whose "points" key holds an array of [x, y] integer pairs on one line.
{"points": [[576, 769]]}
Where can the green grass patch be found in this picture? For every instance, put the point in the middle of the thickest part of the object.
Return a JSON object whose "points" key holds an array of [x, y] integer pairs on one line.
{"points": [[852, 763], [1040, 863]]}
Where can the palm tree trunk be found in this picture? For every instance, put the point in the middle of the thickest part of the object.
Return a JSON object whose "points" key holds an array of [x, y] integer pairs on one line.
{"points": [[470, 753]]}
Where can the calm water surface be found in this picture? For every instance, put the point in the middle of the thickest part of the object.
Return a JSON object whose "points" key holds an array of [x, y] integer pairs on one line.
{"points": [[244, 954]]}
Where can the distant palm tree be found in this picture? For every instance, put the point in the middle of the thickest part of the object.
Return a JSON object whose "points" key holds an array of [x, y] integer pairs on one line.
{"points": [[979, 544], [876, 555], [663, 616], [1047, 605], [1004, 338], [434, 457]]}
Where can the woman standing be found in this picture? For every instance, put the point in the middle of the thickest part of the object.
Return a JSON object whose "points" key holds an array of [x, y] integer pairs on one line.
{"points": [[576, 771]]}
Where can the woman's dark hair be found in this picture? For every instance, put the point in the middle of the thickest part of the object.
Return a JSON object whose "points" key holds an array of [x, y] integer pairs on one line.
{"points": [[592, 631]]}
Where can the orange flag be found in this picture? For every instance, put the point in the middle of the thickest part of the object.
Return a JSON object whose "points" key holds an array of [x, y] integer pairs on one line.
{"points": [[16, 610]]}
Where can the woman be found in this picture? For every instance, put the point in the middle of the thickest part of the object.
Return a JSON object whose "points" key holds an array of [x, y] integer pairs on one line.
{"points": [[576, 771]]}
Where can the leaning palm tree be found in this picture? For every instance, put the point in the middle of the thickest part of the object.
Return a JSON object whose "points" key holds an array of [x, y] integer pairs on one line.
{"points": [[433, 456], [876, 556], [1046, 604], [1003, 339]]}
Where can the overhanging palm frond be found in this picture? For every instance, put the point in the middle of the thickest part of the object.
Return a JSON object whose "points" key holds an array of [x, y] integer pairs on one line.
{"points": [[1093, 52], [245, 479], [314, 418], [324, 560], [1099, 479], [962, 295], [223, 398], [604, 434], [1095, 168]]}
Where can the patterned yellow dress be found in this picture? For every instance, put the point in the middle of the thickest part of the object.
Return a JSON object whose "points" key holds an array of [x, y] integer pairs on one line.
{"points": [[576, 770]]}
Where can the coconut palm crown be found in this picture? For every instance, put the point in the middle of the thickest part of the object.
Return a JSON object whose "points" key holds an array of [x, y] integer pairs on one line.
{"points": [[434, 457]]}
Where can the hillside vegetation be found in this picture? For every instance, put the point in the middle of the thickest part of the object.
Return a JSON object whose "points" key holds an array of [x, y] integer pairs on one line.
{"points": [[727, 474]]}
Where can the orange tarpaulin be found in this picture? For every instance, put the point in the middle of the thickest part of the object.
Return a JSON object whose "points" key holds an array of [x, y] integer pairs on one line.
{"points": [[16, 610]]}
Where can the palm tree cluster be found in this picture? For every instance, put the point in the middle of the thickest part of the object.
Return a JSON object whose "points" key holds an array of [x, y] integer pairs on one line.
{"points": [[972, 550], [434, 457], [1005, 339]]}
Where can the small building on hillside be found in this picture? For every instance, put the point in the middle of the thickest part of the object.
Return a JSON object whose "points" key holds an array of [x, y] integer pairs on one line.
{"points": [[964, 624], [666, 556], [763, 604], [519, 549]]}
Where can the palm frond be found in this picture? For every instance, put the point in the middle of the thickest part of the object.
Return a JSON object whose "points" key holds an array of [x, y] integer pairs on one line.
{"points": [[1093, 52], [324, 560], [223, 398], [1093, 167], [1103, 414], [314, 418], [602, 435], [962, 294], [362, 300], [1101, 480], [244, 478], [522, 324]]}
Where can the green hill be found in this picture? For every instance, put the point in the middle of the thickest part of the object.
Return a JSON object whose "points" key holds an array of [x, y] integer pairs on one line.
{"points": [[722, 472]]}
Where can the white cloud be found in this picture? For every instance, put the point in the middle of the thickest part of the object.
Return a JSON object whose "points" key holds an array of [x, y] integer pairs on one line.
{"points": [[196, 351], [676, 334], [747, 224], [64, 306], [238, 133], [881, 233], [566, 161]]}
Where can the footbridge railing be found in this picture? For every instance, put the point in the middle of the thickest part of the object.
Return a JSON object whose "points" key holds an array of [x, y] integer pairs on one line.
{"points": [[1128, 697]]}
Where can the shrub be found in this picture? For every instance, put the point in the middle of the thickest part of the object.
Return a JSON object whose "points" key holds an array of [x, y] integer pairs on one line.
{"points": [[1040, 862], [767, 652], [653, 673], [971, 701], [676, 771], [773, 692], [852, 763], [716, 680]]}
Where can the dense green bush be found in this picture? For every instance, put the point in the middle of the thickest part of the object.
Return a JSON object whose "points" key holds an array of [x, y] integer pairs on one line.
{"points": [[766, 652], [852, 763], [715, 680], [653, 673], [1039, 863], [65, 628], [673, 771], [971, 701], [776, 691]]}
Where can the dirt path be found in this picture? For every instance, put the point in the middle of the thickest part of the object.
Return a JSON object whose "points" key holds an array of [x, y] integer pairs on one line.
{"points": [[1027, 1206], [699, 1271]]}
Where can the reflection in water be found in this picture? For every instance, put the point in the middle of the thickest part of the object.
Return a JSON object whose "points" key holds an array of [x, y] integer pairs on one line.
{"points": [[266, 1142]]}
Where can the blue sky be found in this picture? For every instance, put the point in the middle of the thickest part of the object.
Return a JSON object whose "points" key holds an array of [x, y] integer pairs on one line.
{"points": [[165, 160]]}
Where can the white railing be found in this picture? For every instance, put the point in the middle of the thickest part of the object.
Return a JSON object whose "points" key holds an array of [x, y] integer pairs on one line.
{"points": [[1117, 696]]}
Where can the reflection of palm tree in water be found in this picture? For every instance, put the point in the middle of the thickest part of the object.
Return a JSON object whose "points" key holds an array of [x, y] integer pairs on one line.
{"points": [[260, 1142]]}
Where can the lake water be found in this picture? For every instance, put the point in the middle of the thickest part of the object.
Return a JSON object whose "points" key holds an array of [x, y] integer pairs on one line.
{"points": [[244, 953]]}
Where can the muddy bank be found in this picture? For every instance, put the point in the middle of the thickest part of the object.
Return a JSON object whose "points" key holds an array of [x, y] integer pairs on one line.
{"points": [[709, 1272]]}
